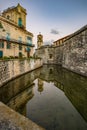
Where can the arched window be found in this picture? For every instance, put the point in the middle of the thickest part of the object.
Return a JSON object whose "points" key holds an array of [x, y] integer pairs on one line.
{"points": [[20, 22]]}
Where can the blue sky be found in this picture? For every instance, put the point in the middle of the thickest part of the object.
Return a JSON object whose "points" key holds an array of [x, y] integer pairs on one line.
{"points": [[53, 18]]}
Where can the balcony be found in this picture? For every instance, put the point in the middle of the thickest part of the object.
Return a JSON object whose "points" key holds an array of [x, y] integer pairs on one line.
{"points": [[16, 41]]}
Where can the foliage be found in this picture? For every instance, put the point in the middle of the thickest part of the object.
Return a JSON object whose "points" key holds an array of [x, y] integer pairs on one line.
{"points": [[1, 25], [20, 58]]}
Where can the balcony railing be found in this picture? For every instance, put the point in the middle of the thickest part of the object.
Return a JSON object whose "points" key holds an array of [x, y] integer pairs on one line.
{"points": [[16, 41]]}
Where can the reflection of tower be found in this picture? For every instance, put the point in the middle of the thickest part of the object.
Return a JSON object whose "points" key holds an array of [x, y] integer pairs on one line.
{"points": [[39, 40], [40, 85]]}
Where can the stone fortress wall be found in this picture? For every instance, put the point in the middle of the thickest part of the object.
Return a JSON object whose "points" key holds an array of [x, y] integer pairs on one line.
{"points": [[71, 54], [75, 52]]}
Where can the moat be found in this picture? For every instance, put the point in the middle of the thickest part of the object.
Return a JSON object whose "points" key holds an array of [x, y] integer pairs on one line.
{"points": [[51, 96]]}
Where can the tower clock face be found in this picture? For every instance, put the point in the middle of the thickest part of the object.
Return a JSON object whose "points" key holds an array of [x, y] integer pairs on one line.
{"points": [[40, 38]]}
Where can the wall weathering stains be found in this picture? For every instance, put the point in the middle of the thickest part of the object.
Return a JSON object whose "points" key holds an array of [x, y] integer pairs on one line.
{"points": [[13, 68]]}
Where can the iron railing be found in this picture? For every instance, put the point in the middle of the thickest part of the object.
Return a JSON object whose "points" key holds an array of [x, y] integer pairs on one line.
{"points": [[2, 38]]}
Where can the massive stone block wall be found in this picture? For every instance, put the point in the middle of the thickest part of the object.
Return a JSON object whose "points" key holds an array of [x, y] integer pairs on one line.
{"points": [[58, 56], [50, 51], [75, 52], [40, 53], [50, 54], [72, 54], [13, 68], [46, 53]]}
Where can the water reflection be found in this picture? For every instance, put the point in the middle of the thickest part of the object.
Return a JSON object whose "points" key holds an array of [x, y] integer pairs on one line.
{"points": [[43, 94], [40, 85], [52, 110], [18, 102]]}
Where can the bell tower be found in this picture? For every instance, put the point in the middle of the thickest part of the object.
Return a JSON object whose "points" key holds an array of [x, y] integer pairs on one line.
{"points": [[39, 40], [17, 14]]}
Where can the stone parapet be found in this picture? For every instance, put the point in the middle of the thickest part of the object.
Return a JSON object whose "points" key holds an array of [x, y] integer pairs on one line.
{"points": [[13, 68]]}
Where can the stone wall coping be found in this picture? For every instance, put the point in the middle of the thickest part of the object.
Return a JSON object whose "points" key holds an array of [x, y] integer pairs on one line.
{"points": [[11, 120], [49, 47], [77, 32], [4, 60]]}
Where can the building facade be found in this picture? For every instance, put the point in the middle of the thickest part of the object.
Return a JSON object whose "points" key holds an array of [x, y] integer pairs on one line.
{"points": [[15, 40]]}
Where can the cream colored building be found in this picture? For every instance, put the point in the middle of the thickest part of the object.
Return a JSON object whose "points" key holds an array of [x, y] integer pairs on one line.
{"points": [[15, 40]]}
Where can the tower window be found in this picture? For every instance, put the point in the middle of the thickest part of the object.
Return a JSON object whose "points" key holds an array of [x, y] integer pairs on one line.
{"points": [[20, 22]]}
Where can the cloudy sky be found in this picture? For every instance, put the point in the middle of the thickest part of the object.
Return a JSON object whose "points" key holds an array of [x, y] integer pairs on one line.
{"points": [[53, 18]]}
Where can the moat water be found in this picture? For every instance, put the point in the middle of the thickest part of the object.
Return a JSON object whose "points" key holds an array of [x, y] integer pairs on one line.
{"points": [[51, 96]]}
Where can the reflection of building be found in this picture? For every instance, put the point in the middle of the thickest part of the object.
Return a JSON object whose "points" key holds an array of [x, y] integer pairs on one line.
{"points": [[15, 40], [19, 102], [40, 85], [59, 85]]}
